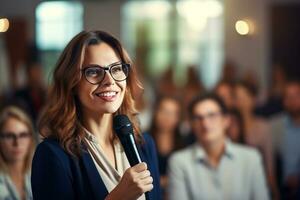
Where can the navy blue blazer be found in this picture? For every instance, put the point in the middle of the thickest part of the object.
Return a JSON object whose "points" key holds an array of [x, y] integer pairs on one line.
{"points": [[57, 175]]}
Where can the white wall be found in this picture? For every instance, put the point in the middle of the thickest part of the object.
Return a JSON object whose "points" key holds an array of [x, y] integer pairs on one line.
{"points": [[248, 52], [104, 16]]}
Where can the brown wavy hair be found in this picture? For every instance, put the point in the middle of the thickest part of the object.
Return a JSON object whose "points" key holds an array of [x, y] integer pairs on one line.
{"points": [[20, 115], [62, 117]]}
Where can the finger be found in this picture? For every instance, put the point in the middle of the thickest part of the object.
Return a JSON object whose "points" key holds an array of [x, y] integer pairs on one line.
{"points": [[140, 167], [147, 188], [144, 174], [147, 181]]}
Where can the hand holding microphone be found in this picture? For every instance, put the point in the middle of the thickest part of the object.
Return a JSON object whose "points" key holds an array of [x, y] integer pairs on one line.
{"points": [[136, 179]]}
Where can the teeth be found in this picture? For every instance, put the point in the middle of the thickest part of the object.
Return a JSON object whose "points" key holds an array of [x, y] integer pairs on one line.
{"points": [[106, 94]]}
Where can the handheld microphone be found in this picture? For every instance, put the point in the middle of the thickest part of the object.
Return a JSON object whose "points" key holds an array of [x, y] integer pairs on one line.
{"points": [[124, 130]]}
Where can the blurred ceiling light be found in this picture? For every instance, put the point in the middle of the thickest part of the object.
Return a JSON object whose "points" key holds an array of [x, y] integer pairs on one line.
{"points": [[196, 12], [243, 27], [4, 24], [148, 9]]}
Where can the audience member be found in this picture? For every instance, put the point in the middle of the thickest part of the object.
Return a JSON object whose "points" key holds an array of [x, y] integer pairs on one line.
{"points": [[225, 90], [32, 97], [165, 131], [286, 135], [273, 104], [17, 145], [214, 167], [235, 129], [256, 130]]}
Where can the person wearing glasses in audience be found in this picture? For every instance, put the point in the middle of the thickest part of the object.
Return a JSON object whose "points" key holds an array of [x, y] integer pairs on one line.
{"points": [[17, 146], [214, 167], [81, 156]]}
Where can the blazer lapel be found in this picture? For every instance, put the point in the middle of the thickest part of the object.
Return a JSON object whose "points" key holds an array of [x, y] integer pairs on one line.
{"points": [[144, 156], [97, 184]]}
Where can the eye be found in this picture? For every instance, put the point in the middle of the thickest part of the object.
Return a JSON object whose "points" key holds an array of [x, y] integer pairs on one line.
{"points": [[117, 69], [93, 72]]}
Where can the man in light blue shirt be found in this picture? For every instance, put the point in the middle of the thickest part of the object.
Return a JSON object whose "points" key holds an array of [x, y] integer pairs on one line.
{"points": [[214, 168]]}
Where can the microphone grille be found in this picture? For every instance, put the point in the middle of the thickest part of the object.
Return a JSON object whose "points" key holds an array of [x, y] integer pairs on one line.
{"points": [[122, 125]]}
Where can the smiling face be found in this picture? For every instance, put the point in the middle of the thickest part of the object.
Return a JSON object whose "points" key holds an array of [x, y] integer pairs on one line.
{"points": [[107, 96]]}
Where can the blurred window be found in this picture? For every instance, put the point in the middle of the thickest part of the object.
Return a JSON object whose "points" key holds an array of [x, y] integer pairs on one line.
{"points": [[56, 23], [176, 33]]}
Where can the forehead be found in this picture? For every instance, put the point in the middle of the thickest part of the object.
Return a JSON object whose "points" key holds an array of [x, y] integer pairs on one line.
{"points": [[12, 124], [224, 86], [101, 54], [206, 106], [169, 102]]}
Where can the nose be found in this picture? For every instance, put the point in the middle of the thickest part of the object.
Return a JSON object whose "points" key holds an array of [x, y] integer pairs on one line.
{"points": [[108, 79], [16, 142], [205, 122]]}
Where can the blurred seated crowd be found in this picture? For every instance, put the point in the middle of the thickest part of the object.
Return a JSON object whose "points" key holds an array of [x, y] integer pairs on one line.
{"points": [[232, 141]]}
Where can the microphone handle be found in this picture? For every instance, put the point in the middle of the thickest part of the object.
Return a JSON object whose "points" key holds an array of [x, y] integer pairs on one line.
{"points": [[132, 154]]}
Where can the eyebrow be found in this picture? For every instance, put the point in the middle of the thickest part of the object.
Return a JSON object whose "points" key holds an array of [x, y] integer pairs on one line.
{"points": [[91, 64]]}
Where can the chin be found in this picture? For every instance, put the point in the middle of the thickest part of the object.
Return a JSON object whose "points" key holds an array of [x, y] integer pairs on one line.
{"points": [[112, 109], [208, 137]]}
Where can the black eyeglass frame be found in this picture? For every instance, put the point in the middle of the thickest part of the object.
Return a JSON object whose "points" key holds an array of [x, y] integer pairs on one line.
{"points": [[107, 68], [14, 137]]}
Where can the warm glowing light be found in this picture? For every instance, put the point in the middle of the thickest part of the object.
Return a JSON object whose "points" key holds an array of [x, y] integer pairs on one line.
{"points": [[242, 27], [4, 25]]}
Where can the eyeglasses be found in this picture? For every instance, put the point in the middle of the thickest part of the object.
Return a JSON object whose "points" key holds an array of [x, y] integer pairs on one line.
{"points": [[12, 137], [208, 116], [94, 74]]}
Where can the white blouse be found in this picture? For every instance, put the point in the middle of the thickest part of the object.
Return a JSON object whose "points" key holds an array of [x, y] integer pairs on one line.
{"points": [[110, 175]]}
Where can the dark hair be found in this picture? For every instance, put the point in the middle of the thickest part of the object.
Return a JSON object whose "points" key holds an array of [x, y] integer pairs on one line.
{"points": [[251, 89], [240, 120], [293, 80], [204, 97], [229, 83], [153, 127]]}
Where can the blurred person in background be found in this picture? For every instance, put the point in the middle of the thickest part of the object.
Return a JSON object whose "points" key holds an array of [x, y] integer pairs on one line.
{"points": [[166, 84], [189, 90], [230, 72], [165, 131], [192, 87], [273, 104], [32, 96], [256, 130], [286, 139], [235, 129], [225, 90], [202, 170], [17, 145]]}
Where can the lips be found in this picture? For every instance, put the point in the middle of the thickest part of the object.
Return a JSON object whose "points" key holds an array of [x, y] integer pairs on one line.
{"points": [[107, 95]]}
